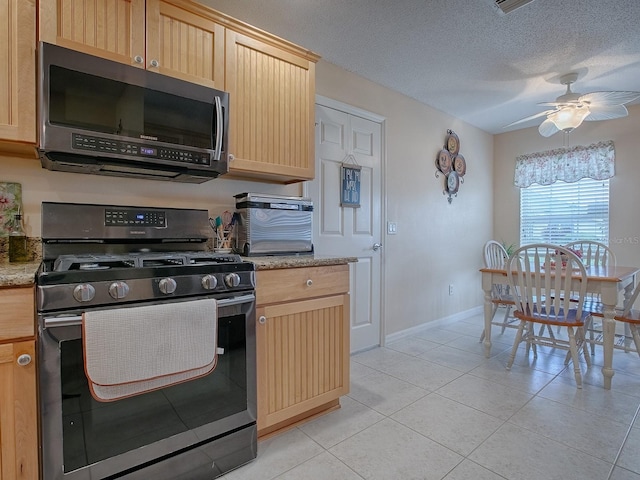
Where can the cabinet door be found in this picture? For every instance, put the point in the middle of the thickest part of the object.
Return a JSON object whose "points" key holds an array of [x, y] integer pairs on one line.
{"points": [[184, 42], [18, 71], [17, 313], [302, 357], [272, 95], [112, 29], [18, 413]]}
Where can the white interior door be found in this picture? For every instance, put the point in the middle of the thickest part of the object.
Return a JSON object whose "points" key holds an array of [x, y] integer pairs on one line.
{"points": [[348, 231]]}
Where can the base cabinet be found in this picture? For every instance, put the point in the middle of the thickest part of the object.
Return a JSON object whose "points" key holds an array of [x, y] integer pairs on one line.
{"points": [[18, 412], [302, 348], [18, 404]]}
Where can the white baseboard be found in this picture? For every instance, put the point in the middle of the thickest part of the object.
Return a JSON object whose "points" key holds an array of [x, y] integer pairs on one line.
{"points": [[434, 323]]}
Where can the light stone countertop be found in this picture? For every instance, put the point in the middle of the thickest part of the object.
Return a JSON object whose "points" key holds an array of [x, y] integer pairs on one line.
{"points": [[297, 261], [22, 274], [18, 274]]}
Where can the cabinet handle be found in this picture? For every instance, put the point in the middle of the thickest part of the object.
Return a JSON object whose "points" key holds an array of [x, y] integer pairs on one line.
{"points": [[138, 59], [155, 63], [309, 282], [231, 157], [262, 320], [24, 359]]}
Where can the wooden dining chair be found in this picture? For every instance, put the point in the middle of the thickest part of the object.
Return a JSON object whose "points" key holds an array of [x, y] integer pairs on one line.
{"points": [[599, 255], [543, 278], [593, 253], [495, 256], [627, 314]]}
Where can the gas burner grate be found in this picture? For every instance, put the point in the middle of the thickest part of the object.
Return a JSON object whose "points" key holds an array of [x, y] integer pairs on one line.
{"points": [[140, 260]]}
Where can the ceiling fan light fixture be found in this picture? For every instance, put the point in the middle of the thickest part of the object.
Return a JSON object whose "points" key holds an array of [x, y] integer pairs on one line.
{"points": [[570, 117]]}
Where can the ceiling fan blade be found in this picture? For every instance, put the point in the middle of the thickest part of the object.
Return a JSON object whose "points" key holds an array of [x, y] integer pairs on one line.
{"points": [[530, 117], [547, 128], [552, 104], [609, 98], [606, 112]]}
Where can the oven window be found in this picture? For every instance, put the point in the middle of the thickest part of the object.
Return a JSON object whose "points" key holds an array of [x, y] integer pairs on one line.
{"points": [[94, 431]]}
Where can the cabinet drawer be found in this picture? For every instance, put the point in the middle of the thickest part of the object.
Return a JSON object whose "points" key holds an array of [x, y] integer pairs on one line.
{"points": [[287, 284], [17, 318]]}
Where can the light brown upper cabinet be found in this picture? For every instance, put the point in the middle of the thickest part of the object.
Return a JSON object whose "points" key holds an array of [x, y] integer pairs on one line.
{"points": [[272, 95], [271, 81], [18, 71], [172, 37]]}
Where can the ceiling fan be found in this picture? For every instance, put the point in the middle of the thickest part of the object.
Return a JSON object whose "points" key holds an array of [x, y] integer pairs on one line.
{"points": [[572, 108]]}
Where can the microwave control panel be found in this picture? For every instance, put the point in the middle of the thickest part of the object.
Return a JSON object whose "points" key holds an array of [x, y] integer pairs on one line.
{"points": [[119, 147]]}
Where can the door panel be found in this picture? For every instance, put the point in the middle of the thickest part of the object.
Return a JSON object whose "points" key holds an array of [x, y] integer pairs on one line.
{"points": [[344, 231], [112, 29], [185, 45]]}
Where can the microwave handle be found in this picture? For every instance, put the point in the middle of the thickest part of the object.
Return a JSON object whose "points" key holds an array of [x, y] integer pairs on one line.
{"points": [[218, 129]]}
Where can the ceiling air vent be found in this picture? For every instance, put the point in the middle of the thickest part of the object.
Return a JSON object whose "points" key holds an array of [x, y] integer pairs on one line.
{"points": [[507, 6]]}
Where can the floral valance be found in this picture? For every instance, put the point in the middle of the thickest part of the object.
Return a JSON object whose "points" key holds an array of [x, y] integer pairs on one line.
{"points": [[568, 164]]}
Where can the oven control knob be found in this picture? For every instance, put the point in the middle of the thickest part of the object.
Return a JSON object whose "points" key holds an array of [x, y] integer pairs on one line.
{"points": [[118, 290], [232, 280], [209, 282], [84, 292], [167, 285]]}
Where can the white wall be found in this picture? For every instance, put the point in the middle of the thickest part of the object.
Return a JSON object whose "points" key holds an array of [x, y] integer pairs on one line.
{"points": [[437, 243], [39, 185], [624, 228]]}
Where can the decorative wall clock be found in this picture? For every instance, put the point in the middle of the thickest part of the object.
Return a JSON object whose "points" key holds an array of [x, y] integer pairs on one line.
{"points": [[452, 165]]}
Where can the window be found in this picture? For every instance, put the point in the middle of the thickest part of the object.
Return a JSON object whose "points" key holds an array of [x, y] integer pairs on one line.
{"points": [[564, 212]]}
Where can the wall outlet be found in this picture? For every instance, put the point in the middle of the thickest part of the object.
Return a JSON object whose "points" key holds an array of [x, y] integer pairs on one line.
{"points": [[450, 289], [392, 228]]}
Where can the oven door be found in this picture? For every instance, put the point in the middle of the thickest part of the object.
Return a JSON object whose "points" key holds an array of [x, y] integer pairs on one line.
{"points": [[194, 430]]}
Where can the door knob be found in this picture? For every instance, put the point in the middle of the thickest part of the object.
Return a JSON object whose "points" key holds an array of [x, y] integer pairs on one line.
{"points": [[377, 246]]}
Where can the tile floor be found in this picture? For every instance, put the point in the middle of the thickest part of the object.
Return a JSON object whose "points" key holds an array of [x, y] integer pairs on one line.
{"points": [[432, 407]]}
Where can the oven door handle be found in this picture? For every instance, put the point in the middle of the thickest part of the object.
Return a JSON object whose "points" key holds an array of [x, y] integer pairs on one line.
{"points": [[75, 320], [70, 321], [225, 302]]}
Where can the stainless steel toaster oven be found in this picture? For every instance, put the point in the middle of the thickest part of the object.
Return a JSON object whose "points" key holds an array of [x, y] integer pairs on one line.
{"points": [[273, 225]]}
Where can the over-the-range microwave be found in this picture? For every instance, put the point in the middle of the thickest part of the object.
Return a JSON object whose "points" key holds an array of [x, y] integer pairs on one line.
{"points": [[102, 117]]}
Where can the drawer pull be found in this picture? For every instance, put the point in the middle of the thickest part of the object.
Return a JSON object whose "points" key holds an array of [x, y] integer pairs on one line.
{"points": [[262, 320], [309, 282], [24, 359]]}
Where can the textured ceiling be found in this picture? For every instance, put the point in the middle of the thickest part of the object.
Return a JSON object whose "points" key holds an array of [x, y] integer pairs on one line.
{"points": [[461, 56]]}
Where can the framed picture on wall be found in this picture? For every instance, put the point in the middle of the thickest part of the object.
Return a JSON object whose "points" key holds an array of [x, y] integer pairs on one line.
{"points": [[350, 185]]}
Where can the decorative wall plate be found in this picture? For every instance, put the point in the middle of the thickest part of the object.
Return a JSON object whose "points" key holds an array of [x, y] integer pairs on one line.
{"points": [[459, 165], [444, 161], [453, 182], [452, 142]]}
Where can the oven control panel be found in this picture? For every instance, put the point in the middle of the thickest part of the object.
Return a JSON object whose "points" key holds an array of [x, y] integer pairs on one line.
{"points": [[137, 218]]}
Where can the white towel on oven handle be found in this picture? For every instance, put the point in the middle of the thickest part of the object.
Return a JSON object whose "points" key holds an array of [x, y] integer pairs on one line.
{"points": [[132, 350]]}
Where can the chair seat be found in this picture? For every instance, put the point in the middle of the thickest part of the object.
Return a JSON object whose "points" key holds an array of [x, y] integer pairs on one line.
{"points": [[597, 309], [552, 318], [504, 300]]}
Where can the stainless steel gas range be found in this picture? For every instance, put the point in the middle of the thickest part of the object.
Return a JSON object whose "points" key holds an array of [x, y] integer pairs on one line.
{"points": [[136, 264]]}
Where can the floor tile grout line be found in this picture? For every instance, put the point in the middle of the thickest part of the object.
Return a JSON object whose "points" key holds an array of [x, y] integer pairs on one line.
{"points": [[624, 441]]}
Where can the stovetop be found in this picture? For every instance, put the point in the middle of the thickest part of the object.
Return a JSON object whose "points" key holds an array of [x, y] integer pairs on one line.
{"points": [[101, 261]]}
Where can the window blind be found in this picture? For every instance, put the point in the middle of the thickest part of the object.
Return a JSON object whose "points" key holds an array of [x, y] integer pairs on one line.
{"points": [[564, 212]]}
